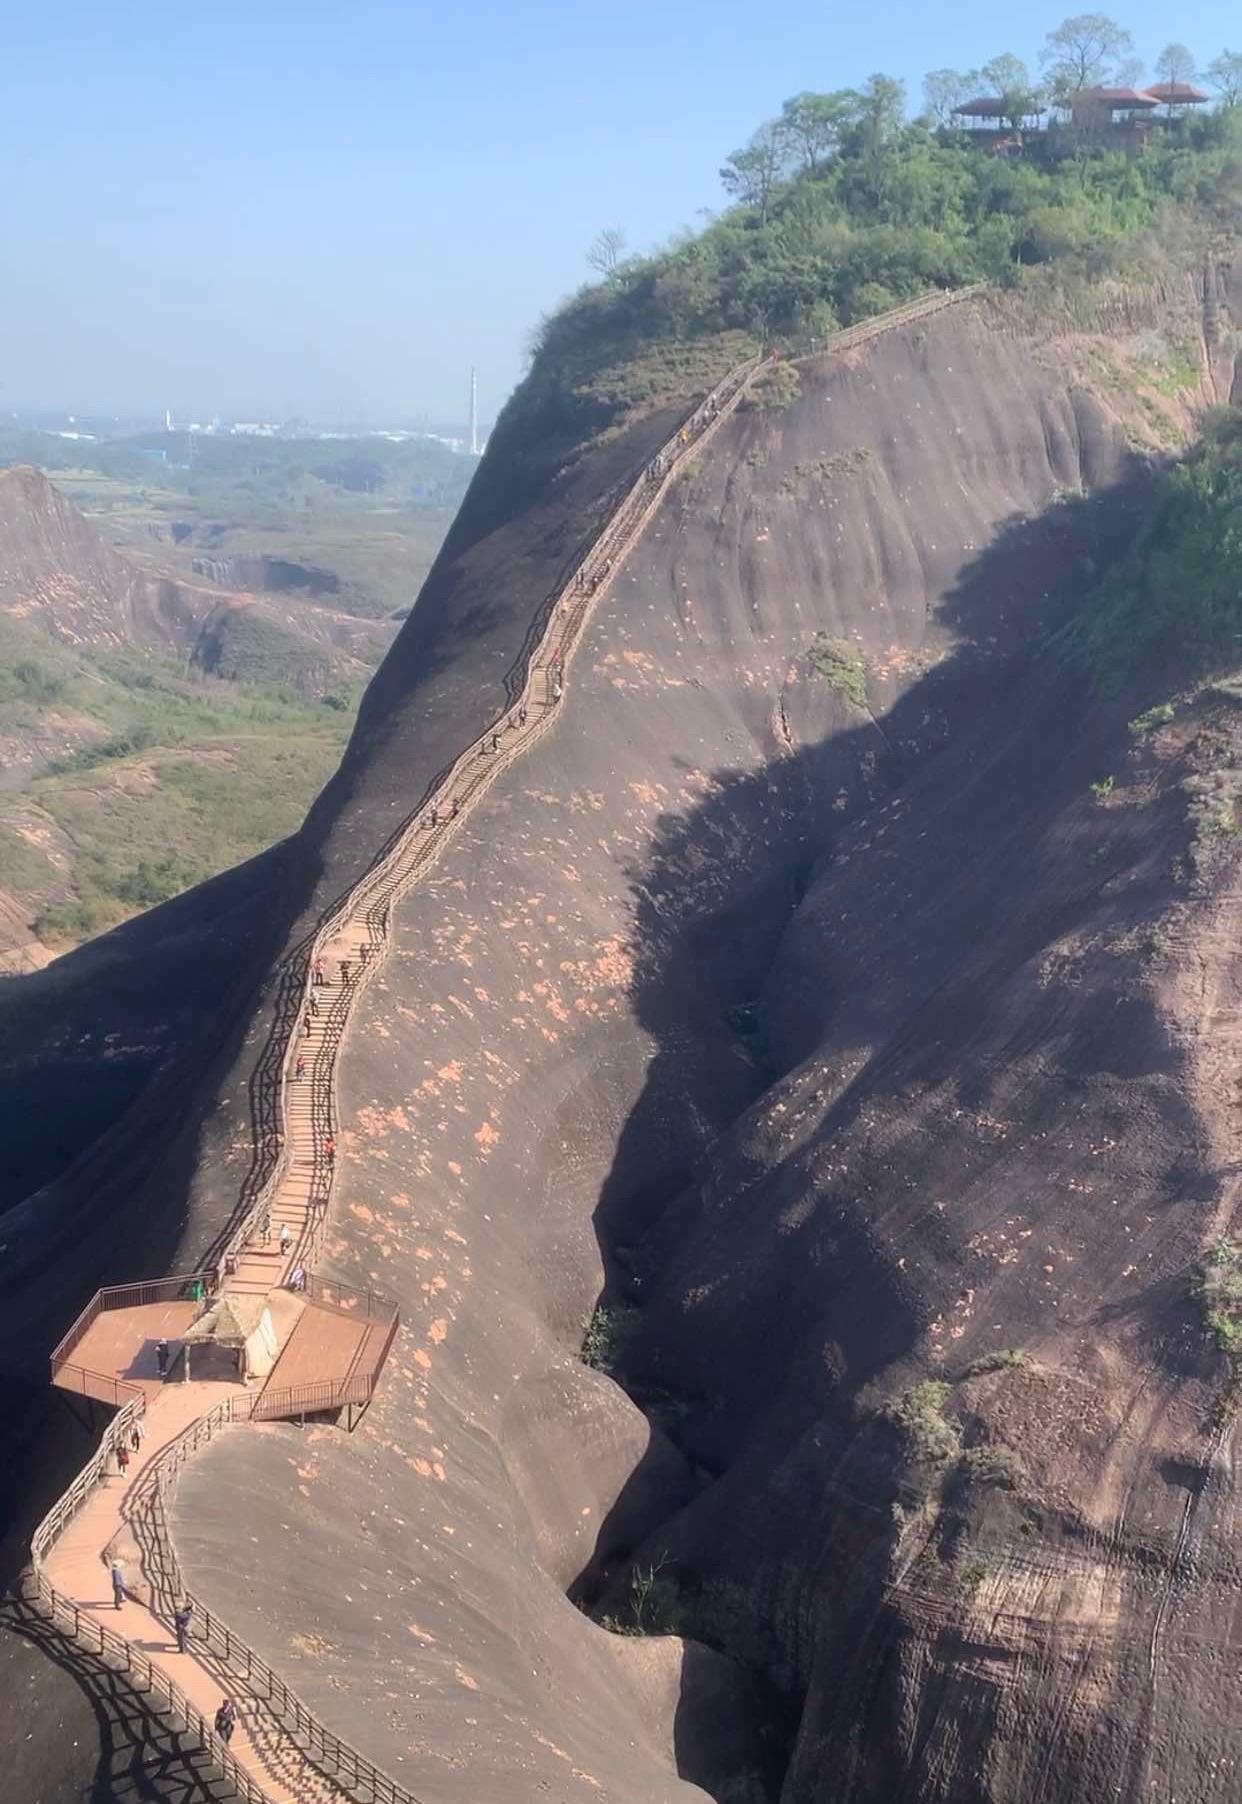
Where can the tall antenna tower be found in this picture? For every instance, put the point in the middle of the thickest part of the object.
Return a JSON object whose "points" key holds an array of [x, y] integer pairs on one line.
{"points": [[474, 414]]}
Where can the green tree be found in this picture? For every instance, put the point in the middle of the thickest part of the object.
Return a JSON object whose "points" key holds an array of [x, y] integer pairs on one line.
{"points": [[1176, 63], [1086, 50], [753, 173], [1224, 73], [945, 89], [878, 114], [1008, 78], [813, 123]]}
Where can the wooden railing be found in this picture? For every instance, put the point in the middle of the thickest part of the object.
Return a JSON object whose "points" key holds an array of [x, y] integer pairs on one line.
{"points": [[338, 1761], [349, 1301], [910, 311]]}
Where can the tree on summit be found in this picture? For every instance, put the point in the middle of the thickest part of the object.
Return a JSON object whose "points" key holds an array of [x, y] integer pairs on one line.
{"points": [[606, 251], [1087, 50], [1008, 78], [1176, 63], [753, 173], [945, 89], [1224, 72], [815, 123]]}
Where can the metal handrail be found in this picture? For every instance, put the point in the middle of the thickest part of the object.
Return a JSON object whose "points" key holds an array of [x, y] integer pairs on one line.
{"points": [[123, 1296], [271, 1077]]}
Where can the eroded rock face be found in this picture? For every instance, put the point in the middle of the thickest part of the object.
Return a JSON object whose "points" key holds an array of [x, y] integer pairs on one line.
{"points": [[841, 1048]]}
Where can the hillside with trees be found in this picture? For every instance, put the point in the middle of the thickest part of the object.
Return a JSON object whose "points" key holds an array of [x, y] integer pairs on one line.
{"points": [[846, 204]]}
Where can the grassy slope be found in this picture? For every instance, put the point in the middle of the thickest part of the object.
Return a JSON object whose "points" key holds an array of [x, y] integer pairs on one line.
{"points": [[125, 780], [160, 779]]}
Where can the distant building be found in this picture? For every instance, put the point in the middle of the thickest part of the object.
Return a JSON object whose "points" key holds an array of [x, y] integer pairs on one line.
{"points": [[1176, 95], [1110, 106], [1122, 115]]}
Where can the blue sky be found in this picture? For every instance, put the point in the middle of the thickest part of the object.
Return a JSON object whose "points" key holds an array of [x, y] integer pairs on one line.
{"points": [[339, 208]]}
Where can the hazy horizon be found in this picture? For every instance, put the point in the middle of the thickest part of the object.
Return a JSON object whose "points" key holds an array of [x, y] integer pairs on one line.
{"points": [[285, 211]]}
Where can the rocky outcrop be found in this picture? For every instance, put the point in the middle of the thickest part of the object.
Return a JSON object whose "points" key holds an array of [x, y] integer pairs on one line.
{"points": [[797, 995], [59, 574]]}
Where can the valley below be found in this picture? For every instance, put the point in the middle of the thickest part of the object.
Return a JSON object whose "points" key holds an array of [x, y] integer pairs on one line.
{"points": [[180, 665]]}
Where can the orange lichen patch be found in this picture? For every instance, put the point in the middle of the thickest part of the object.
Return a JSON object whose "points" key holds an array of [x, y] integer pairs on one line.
{"points": [[481, 995], [316, 1645], [422, 1358], [464, 1678], [571, 876], [551, 1001], [423, 1253], [700, 782], [487, 1136], [399, 1199], [370, 1121], [421, 1634], [651, 793], [361, 1211], [438, 1329], [454, 1167], [422, 1467], [452, 1234], [450, 1073], [399, 1118], [611, 968], [438, 1469]]}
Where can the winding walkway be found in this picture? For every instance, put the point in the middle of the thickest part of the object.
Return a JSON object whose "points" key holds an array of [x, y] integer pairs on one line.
{"points": [[279, 1752]]}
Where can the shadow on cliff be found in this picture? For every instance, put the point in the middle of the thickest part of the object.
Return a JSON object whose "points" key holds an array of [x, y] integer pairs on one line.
{"points": [[142, 1756], [1002, 715]]}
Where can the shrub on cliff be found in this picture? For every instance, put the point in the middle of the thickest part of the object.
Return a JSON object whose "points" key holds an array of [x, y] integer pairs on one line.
{"points": [[1177, 597]]}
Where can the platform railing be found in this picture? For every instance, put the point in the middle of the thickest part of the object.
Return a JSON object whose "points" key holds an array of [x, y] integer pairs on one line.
{"points": [[121, 1296]]}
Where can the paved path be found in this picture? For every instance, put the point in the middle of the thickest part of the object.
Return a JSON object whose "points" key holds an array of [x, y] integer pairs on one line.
{"points": [[78, 1566]]}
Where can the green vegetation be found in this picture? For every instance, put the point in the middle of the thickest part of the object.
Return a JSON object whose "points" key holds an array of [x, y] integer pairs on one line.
{"points": [[605, 1336], [1103, 789], [997, 1466], [1158, 716], [172, 778], [931, 1438], [654, 1605], [1220, 1288], [29, 680], [1005, 1359], [1215, 809], [842, 667], [1177, 598], [843, 206]]}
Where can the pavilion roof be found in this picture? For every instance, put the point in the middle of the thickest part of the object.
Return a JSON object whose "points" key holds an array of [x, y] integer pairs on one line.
{"points": [[1176, 93], [987, 106], [1117, 97], [229, 1321]]}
